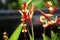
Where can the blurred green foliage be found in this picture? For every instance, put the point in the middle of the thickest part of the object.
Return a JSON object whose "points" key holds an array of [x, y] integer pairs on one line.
{"points": [[37, 3], [54, 36]]}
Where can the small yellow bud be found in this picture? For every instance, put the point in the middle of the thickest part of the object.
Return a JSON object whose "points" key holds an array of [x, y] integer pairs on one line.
{"points": [[4, 33], [50, 9], [22, 19], [49, 15], [45, 25], [24, 30], [50, 3], [51, 22], [25, 25], [42, 18], [5, 37]]}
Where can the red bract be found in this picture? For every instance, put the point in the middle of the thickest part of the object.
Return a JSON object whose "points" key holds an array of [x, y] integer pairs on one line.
{"points": [[24, 7], [25, 15], [44, 15], [31, 12], [52, 11], [58, 20], [47, 4]]}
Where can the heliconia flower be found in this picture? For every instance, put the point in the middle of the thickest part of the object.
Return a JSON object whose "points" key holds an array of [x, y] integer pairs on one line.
{"points": [[47, 16], [53, 23], [25, 15], [48, 4], [53, 9], [44, 25], [49, 22], [31, 12]]}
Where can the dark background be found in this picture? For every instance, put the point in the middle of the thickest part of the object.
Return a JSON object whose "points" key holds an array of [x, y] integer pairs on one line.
{"points": [[10, 19]]}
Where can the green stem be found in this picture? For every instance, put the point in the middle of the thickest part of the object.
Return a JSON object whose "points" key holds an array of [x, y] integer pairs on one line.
{"points": [[32, 31]]}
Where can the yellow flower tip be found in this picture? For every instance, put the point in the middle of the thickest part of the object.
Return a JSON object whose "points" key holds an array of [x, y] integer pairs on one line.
{"points": [[49, 15], [50, 3], [30, 16], [45, 25], [52, 22], [42, 18], [22, 19], [50, 9], [25, 25], [24, 30], [21, 24], [4, 33]]}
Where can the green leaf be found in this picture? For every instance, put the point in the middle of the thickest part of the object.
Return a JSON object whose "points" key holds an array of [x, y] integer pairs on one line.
{"points": [[45, 37], [16, 33], [39, 4], [54, 36]]}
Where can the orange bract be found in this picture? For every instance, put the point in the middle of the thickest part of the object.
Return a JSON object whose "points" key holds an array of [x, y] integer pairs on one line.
{"points": [[32, 8]]}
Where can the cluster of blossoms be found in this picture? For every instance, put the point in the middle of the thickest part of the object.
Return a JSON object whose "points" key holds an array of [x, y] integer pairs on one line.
{"points": [[45, 19]]}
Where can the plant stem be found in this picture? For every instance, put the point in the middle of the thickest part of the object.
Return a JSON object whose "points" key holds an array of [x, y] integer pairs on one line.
{"points": [[44, 33], [32, 31]]}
